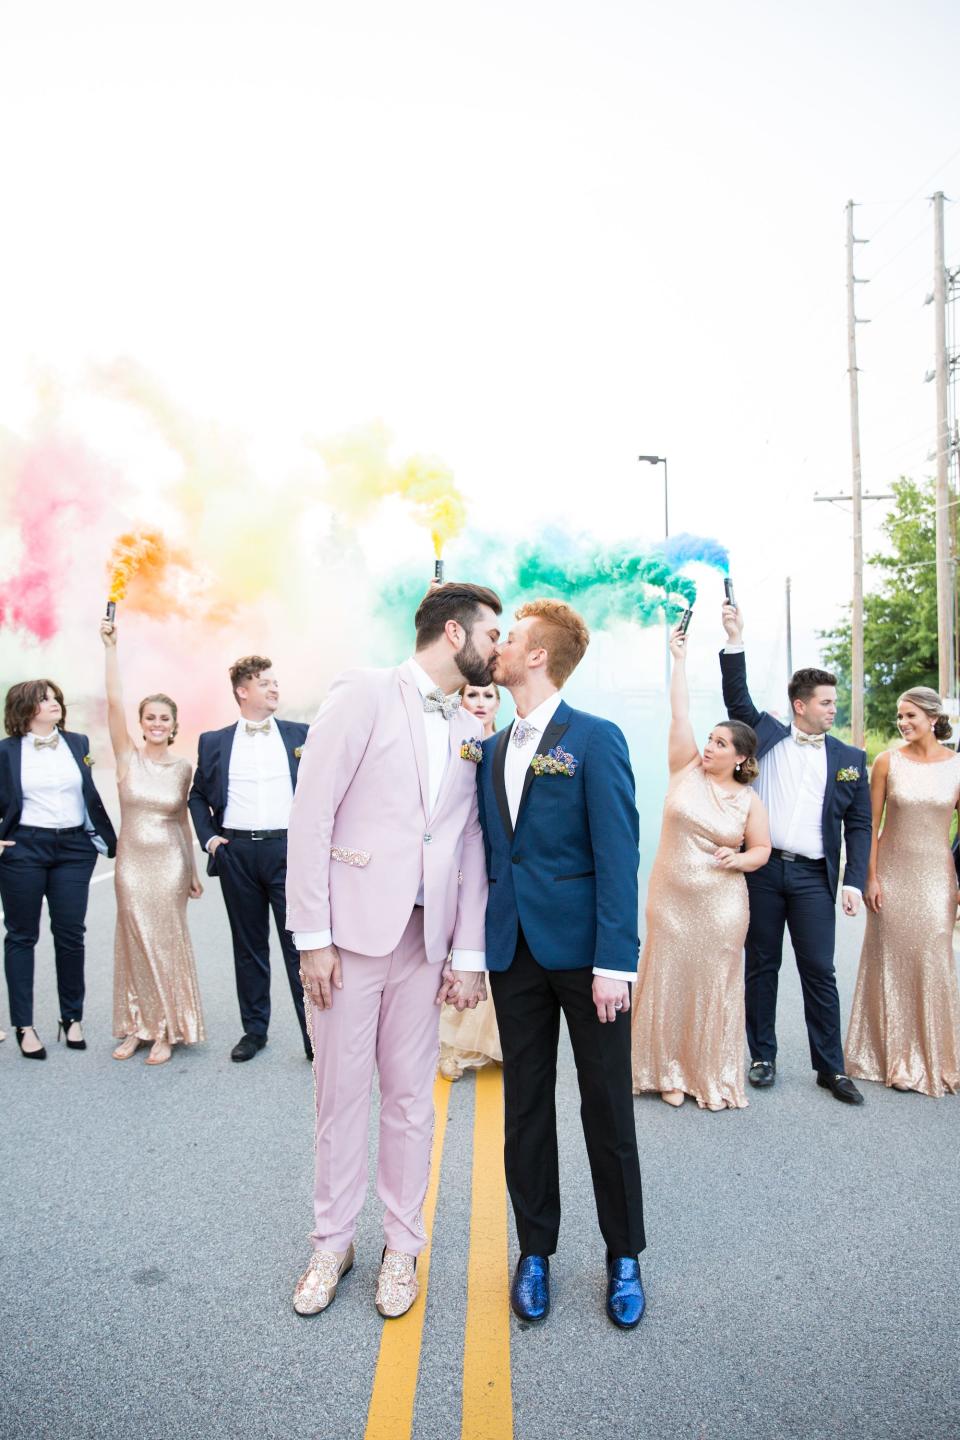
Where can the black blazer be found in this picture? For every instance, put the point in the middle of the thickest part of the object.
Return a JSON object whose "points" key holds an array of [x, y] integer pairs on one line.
{"points": [[208, 795], [11, 790], [846, 803]]}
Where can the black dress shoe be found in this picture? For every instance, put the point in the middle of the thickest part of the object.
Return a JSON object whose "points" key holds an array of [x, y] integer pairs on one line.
{"points": [[625, 1298], [247, 1046], [842, 1087], [530, 1291], [762, 1073]]}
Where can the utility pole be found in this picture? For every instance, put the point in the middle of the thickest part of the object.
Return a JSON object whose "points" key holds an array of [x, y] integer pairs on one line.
{"points": [[944, 513], [789, 634], [856, 614]]}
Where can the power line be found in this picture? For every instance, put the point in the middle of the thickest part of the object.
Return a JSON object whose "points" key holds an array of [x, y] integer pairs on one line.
{"points": [[900, 209]]}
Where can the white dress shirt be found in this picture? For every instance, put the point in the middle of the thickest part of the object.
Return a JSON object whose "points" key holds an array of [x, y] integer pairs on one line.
{"points": [[517, 764], [52, 786], [792, 783], [259, 787], [437, 734]]}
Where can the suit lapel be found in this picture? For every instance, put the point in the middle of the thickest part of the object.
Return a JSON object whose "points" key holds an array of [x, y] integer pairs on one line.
{"points": [[225, 750], [413, 704], [499, 783], [76, 750], [550, 737], [288, 745], [453, 759], [12, 748], [831, 751]]}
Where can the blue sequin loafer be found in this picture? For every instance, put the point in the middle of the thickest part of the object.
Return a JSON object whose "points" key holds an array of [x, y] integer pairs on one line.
{"points": [[530, 1291], [625, 1298]]}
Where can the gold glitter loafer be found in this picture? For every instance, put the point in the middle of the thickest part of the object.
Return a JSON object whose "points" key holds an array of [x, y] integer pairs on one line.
{"points": [[318, 1284], [397, 1287]]}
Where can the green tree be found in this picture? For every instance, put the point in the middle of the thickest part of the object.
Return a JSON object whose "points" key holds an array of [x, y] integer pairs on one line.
{"points": [[899, 612]]}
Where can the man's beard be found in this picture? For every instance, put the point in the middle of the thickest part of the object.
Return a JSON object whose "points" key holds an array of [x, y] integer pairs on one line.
{"points": [[472, 666]]}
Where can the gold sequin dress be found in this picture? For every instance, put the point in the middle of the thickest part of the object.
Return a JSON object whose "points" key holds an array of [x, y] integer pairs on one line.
{"points": [[469, 1039], [905, 1023], [155, 993], [688, 1007]]}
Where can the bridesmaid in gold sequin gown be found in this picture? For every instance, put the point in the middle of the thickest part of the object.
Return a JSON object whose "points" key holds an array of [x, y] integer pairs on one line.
{"points": [[155, 992], [469, 1039], [905, 1023], [688, 1009]]}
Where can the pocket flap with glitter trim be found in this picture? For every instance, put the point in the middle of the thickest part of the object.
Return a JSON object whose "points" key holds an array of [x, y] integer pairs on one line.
{"points": [[350, 857]]}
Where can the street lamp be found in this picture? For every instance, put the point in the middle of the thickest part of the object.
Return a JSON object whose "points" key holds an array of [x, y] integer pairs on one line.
{"points": [[662, 460]]}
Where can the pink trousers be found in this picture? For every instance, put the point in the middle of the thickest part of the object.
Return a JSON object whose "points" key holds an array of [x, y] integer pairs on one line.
{"points": [[384, 1016]]}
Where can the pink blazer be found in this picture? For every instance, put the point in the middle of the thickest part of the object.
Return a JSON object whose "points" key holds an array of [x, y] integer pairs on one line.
{"points": [[360, 840]]}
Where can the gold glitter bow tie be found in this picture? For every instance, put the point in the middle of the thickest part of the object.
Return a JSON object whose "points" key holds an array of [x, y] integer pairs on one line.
{"points": [[51, 742], [436, 702], [803, 739], [263, 729]]}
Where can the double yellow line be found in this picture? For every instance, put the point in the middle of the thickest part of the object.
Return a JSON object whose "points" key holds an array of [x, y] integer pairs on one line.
{"points": [[487, 1397]]}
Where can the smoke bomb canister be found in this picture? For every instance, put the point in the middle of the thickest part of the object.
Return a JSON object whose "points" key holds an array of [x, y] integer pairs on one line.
{"points": [[111, 610], [728, 590], [438, 571], [685, 619]]}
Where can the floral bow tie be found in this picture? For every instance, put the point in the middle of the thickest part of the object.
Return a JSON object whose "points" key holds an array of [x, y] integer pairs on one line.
{"points": [[435, 701], [262, 729], [51, 742], [803, 739], [522, 730]]}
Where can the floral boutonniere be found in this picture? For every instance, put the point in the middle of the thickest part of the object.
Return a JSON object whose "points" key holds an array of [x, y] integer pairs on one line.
{"points": [[555, 762], [472, 750], [849, 772], [298, 752], [88, 760]]}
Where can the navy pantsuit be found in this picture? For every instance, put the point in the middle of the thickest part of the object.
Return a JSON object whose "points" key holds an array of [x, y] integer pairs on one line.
{"points": [[55, 865], [563, 899], [800, 895], [252, 875]]}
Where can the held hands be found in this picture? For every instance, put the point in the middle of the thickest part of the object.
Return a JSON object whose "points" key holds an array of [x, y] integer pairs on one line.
{"points": [[728, 859], [872, 896], [462, 989], [320, 975], [611, 997], [678, 643], [732, 623], [851, 901], [108, 633]]}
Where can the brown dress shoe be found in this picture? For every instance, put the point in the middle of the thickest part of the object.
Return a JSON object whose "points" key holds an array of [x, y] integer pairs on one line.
{"points": [[397, 1287], [317, 1285]]}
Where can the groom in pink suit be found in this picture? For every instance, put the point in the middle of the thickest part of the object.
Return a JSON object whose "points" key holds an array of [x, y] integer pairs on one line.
{"points": [[386, 896]]}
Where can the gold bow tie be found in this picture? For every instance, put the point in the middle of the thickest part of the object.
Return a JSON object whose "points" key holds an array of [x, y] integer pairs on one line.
{"points": [[263, 729], [51, 742], [803, 739]]}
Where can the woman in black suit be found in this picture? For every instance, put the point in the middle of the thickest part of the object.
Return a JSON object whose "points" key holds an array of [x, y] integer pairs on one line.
{"points": [[52, 824]]}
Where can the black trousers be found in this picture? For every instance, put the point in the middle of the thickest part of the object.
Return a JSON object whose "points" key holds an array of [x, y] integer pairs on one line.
{"points": [[793, 894], [253, 875], [529, 1000], [56, 865]]}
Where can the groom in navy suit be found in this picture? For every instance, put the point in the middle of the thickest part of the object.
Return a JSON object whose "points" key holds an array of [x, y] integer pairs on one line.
{"points": [[813, 787], [559, 817], [240, 805]]}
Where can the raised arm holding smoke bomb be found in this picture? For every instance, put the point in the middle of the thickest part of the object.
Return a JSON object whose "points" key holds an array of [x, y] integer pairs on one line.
{"points": [[816, 794], [156, 998], [693, 1045]]}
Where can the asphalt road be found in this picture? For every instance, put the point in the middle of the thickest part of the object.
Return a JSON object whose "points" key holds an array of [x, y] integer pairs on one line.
{"points": [[802, 1272]]}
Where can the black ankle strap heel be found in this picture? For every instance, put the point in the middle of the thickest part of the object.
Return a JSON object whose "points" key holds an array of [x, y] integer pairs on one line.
{"points": [[40, 1054], [62, 1028]]}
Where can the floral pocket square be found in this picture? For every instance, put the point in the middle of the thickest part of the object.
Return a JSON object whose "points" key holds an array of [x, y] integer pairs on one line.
{"points": [[849, 772], [350, 857], [472, 750], [555, 762]]}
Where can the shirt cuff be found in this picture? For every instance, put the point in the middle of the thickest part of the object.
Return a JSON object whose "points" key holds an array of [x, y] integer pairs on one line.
{"points": [[626, 975], [210, 842], [312, 939], [733, 649], [469, 960]]}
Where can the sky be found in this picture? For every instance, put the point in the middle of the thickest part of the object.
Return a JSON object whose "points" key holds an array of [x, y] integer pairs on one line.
{"points": [[534, 239]]}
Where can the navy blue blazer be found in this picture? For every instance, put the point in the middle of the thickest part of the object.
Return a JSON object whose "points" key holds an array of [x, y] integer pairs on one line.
{"points": [[11, 789], [208, 794], [568, 873], [846, 803]]}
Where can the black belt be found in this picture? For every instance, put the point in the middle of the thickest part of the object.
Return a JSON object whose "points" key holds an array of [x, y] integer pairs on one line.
{"points": [[255, 834], [52, 830], [796, 859]]}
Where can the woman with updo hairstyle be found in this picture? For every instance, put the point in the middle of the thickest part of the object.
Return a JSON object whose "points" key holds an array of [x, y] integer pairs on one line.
{"points": [[904, 1029], [52, 824], [469, 1039], [156, 999], [688, 1007]]}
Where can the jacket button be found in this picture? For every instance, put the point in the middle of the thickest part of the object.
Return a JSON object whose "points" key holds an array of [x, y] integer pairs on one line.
{"points": [[427, 839], [516, 859]]}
